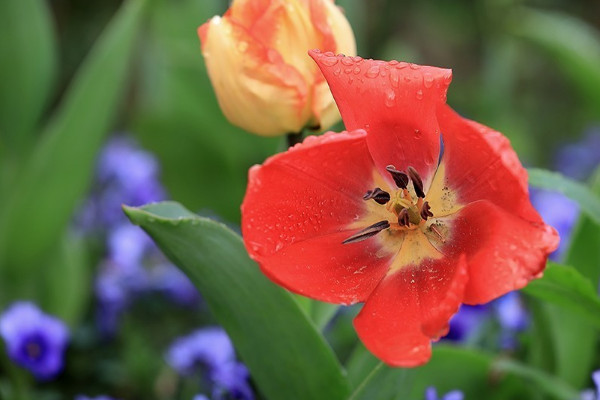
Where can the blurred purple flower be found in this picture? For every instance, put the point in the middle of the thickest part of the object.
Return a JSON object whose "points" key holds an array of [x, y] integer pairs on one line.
{"points": [[174, 284], [579, 160], [591, 394], [34, 340], [431, 394], [558, 211], [467, 322], [210, 350], [125, 174], [200, 397], [128, 244], [508, 310]]}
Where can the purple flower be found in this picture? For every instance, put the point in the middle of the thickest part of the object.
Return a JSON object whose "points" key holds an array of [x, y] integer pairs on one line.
{"points": [[125, 174], [591, 394], [558, 211], [34, 340], [200, 397], [467, 322], [579, 160], [210, 350], [169, 280], [128, 244], [431, 394]]}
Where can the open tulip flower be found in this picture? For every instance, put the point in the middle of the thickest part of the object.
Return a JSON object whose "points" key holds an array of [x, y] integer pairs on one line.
{"points": [[256, 59], [413, 211]]}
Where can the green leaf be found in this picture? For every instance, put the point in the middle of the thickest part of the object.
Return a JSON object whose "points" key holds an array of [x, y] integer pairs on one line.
{"points": [[567, 288], [475, 373], [287, 357], [550, 384], [584, 252], [588, 201], [575, 349], [61, 166], [66, 281], [321, 313], [28, 67], [573, 45]]}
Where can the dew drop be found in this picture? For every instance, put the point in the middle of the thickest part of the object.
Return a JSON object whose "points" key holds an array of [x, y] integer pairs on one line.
{"points": [[418, 133], [356, 70], [393, 62], [427, 79], [347, 61], [419, 94], [414, 66], [337, 71], [329, 61], [372, 72], [390, 98], [394, 78], [357, 59], [402, 65]]}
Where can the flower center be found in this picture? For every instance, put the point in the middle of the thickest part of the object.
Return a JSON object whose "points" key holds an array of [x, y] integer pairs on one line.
{"points": [[409, 212]]}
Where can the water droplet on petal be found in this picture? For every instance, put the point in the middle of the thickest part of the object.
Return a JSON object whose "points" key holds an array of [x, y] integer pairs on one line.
{"points": [[394, 78], [427, 79], [414, 66], [372, 72], [419, 94], [390, 98], [393, 62], [356, 70], [337, 71], [330, 61], [402, 65], [347, 61]]}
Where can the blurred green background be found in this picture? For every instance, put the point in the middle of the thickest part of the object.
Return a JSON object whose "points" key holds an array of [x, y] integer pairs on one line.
{"points": [[530, 69]]}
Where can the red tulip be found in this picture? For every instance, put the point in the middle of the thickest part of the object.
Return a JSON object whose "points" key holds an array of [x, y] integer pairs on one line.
{"points": [[375, 215]]}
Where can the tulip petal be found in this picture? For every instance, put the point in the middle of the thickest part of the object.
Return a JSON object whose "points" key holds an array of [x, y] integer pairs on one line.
{"points": [[325, 269], [410, 308], [480, 164], [504, 251], [395, 102], [313, 191], [247, 76]]}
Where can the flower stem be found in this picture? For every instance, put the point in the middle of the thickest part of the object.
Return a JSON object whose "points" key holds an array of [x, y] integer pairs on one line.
{"points": [[294, 138]]}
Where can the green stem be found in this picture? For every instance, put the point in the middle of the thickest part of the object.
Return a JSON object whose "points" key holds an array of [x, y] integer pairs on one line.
{"points": [[295, 138]]}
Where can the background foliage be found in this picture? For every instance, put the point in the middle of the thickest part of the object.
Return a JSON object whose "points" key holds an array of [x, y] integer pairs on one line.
{"points": [[73, 72]]}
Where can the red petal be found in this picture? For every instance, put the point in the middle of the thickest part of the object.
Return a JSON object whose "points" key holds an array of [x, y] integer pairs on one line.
{"points": [[481, 164], [395, 103], [410, 308], [324, 269], [504, 252], [309, 192]]}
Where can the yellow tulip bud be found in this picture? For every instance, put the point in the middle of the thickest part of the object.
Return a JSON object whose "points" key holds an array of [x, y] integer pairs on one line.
{"points": [[257, 61]]}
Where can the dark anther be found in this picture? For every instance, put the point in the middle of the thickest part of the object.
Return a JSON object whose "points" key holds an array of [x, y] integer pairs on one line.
{"points": [[380, 196], [400, 177], [367, 232], [425, 211], [417, 182], [403, 218]]}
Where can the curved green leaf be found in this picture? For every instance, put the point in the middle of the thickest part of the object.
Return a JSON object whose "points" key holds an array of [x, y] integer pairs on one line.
{"points": [[588, 201], [567, 288], [28, 54], [287, 357], [571, 42], [60, 168]]}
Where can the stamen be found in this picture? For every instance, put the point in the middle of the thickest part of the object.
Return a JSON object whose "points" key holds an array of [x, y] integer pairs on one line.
{"points": [[380, 196], [425, 211], [416, 180], [399, 177], [403, 218], [367, 232]]}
